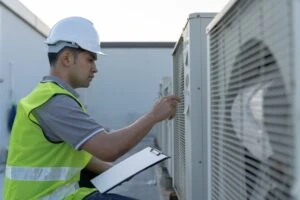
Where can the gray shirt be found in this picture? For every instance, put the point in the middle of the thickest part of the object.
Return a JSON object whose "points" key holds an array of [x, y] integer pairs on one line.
{"points": [[62, 119]]}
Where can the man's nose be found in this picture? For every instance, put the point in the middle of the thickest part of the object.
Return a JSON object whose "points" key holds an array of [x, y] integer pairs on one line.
{"points": [[94, 68]]}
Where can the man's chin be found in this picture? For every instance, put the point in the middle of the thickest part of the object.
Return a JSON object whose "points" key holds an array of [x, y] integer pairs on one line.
{"points": [[85, 85]]}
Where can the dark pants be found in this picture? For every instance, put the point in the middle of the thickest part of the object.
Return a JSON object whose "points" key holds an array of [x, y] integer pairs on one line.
{"points": [[85, 178], [108, 196]]}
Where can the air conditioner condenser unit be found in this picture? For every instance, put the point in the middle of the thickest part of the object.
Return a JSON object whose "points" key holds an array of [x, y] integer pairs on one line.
{"points": [[190, 83], [254, 54]]}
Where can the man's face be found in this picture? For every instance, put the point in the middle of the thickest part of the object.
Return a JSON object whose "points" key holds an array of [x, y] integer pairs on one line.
{"points": [[83, 69]]}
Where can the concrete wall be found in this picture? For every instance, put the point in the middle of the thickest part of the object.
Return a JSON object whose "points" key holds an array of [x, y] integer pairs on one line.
{"points": [[23, 59], [127, 83]]}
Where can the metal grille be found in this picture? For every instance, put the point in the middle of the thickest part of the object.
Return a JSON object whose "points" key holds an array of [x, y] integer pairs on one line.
{"points": [[179, 122], [251, 120]]}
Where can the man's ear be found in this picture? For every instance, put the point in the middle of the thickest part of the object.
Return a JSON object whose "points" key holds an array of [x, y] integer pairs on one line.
{"points": [[66, 57]]}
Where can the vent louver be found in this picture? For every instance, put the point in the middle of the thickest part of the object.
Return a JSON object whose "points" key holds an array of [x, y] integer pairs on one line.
{"points": [[251, 102], [179, 121]]}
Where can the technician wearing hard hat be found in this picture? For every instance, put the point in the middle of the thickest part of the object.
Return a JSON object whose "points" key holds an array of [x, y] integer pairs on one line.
{"points": [[53, 138]]}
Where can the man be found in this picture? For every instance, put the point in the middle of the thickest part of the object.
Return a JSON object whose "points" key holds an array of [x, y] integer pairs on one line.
{"points": [[53, 138]]}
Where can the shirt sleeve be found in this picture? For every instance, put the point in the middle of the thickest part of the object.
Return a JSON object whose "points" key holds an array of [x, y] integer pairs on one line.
{"points": [[62, 119]]}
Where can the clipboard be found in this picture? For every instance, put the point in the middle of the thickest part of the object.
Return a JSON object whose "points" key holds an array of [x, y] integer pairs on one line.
{"points": [[126, 169]]}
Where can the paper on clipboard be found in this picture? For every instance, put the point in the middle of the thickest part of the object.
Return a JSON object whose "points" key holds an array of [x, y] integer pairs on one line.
{"points": [[127, 168]]}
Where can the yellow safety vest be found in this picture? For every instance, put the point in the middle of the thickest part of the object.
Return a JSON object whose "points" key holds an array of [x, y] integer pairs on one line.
{"points": [[37, 168]]}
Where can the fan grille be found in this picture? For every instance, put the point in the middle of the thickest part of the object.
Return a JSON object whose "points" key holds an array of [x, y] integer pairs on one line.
{"points": [[252, 132], [179, 122]]}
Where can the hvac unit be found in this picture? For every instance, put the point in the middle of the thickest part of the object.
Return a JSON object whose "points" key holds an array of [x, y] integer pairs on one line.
{"points": [[190, 124], [165, 137], [254, 100]]}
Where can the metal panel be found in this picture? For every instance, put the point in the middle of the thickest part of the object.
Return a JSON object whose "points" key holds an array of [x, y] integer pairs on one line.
{"points": [[251, 84], [190, 124], [296, 106]]}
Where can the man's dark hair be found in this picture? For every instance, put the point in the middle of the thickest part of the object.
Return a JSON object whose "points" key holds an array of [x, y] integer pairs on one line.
{"points": [[54, 56]]}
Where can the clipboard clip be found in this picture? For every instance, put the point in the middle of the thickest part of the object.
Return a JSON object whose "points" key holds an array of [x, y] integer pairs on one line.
{"points": [[155, 151]]}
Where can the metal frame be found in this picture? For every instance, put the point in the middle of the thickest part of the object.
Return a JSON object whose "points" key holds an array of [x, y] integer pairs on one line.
{"points": [[296, 108], [194, 41]]}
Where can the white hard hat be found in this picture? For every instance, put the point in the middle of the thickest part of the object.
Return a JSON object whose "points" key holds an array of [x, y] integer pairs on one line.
{"points": [[74, 32]]}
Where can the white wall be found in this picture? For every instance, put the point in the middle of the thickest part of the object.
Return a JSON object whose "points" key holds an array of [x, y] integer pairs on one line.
{"points": [[127, 83], [23, 61]]}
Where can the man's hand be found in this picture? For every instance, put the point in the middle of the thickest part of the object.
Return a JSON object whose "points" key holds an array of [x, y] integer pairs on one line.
{"points": [[98, 166], [165, 108]]}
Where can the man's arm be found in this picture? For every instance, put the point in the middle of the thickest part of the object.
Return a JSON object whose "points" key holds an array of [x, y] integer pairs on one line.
{"points": [[110, 146], [98, 166]]}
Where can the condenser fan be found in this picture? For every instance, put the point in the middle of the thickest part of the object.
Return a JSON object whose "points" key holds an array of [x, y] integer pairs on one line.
{"points": [[247, 120], [257, 102]]}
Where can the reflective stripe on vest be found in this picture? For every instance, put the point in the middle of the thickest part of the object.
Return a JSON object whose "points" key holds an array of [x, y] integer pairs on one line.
{"points": [[41, 173], [62, 192]]}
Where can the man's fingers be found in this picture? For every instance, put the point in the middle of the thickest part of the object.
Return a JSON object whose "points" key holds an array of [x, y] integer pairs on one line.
{"points": [[174, 102], [172, 115], [166, 107], [173, 98], [173, 107]]}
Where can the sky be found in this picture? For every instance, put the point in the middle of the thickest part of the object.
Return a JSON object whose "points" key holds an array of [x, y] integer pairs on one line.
{"points": [[127, 20]]}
